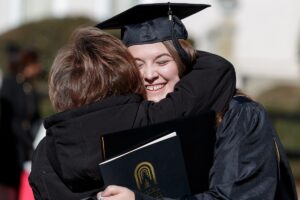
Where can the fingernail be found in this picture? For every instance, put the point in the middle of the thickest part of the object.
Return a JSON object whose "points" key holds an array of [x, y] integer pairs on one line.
{"points": [[99, 196]]}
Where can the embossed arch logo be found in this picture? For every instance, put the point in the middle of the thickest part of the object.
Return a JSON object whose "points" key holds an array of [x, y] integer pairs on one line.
{"points": [[145, 175]]}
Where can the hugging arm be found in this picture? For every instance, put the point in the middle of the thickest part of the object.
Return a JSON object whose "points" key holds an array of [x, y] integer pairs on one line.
{"points": [[209, 85]]}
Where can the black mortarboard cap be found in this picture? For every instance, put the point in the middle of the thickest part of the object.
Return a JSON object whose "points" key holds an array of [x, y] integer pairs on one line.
{"points": [[151, 23]]}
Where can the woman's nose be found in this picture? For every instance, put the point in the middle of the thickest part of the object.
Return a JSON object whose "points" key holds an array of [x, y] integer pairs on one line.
{"points": [[150, 74]]}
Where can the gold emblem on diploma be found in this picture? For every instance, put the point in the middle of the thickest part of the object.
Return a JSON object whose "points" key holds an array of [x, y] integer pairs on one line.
{"points": [[145, 179]]}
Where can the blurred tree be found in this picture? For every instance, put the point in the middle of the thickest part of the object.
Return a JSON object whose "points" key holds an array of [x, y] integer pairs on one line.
{"points": [[283, 104], [47, 36], [284, 98]]}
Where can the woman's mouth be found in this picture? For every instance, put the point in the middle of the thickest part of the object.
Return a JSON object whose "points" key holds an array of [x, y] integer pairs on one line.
{"points": [[154, 87]]}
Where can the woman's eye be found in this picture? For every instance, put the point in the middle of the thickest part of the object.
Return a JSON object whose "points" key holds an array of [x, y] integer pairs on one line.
{"points": [[162, 62], [139, 64]]}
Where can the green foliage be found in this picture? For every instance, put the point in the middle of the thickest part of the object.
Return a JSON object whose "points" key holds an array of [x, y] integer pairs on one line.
{"points": [[289, 133], [282, 99], [284, 102], [45, 107]]}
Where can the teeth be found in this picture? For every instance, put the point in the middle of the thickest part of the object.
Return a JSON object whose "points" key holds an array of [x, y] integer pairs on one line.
{"points": [[154, 87]]}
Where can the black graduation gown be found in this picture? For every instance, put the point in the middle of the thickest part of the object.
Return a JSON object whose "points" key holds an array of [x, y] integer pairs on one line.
{"points": [[65, 163], [249, 161]]}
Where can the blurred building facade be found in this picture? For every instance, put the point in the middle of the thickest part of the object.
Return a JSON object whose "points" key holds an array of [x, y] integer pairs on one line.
{"points": [[17, 12], [261, 38]]}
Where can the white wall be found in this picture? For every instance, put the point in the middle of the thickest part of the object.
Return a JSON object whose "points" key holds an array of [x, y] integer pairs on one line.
{"points": [[10, 14], [267, 38], [95, 9], [16, 12]]}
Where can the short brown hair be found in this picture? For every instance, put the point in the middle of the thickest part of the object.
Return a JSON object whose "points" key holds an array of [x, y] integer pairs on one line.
{"points": [[187, 47], [92, 66]]}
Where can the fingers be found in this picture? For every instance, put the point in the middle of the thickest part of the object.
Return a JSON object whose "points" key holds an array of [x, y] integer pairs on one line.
{"points": [[112, 190], [99, 196]]}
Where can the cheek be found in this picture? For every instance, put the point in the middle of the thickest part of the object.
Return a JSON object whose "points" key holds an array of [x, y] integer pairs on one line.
{"points": [[176, 79], [141, 73], [171, 73], [173, 82]]}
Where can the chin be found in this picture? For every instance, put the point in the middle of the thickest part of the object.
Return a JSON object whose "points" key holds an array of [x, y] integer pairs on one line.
{"points": [[156, 98]]}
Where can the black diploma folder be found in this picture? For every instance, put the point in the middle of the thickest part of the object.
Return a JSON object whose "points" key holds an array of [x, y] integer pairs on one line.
{"points": [[156, 168], [170, 159]]}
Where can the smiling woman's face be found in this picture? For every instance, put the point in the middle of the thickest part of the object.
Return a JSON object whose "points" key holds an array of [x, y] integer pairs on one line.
{"points": [[158, 69]]}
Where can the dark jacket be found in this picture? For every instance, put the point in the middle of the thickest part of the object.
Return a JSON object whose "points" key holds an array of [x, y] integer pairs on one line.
{"points": [[249, 161], [18, 114], [65, 162]]}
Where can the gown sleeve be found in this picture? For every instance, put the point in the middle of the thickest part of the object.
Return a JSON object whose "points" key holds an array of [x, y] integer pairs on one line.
{"points": [[209, 85], [245, 162]]}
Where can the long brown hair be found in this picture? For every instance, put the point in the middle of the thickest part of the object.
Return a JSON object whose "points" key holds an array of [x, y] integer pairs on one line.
{"points": [[92, 66], [188, 48], [220, 115], [192, 53]]}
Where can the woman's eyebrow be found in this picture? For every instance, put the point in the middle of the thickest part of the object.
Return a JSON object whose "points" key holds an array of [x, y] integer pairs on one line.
{"points": [[161, 55], [138, 59], [157, 57]]}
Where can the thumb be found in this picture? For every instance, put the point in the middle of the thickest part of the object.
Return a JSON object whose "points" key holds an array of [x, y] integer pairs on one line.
{"points": [[111, 190]]}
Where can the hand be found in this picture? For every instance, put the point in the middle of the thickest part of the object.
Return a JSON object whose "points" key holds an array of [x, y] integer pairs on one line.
{"points": [[114, 192]]}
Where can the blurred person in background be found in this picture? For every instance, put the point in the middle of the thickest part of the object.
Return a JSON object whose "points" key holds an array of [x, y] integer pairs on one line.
{"points": [[19, 116]]}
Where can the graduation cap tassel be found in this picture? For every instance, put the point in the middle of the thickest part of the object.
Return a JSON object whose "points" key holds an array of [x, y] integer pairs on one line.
{"points": [[182, 53], [170, 12]]}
